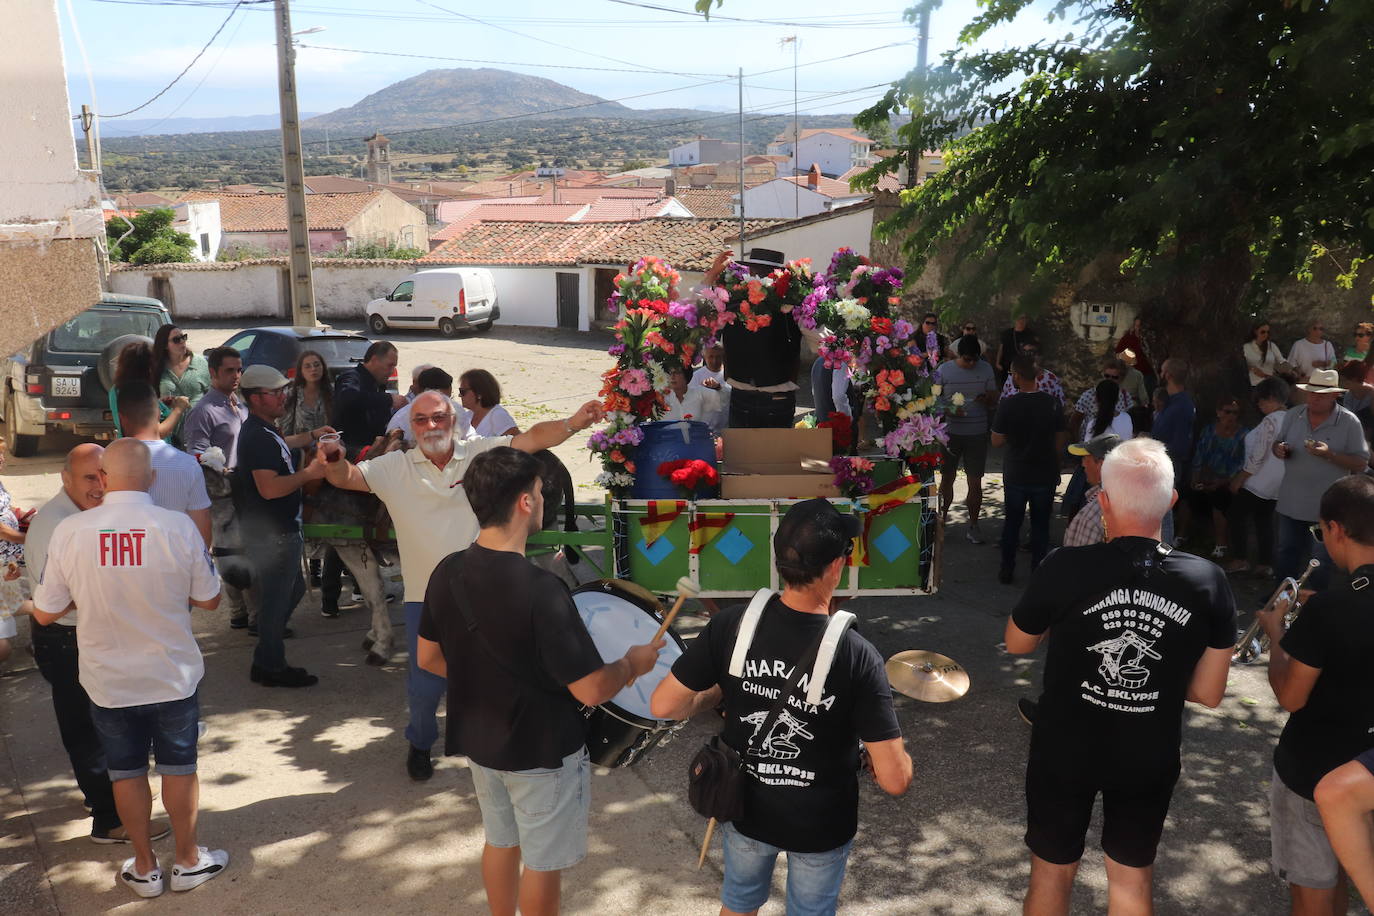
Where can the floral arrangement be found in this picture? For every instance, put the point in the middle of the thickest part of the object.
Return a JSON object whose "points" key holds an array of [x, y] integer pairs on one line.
{"points": [[756, 300], [918, 439], [853, 476], [657, 333], [689, 474]]}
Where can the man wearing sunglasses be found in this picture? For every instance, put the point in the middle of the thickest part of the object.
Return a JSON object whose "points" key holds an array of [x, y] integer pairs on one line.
{"points": [[1320, 673]]}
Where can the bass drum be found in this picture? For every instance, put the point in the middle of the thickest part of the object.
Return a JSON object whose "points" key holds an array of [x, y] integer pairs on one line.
{"points": [[619, 615]]}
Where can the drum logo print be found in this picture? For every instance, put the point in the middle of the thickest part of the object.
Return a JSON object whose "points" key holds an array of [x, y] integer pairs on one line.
{"points": [[780, 742], [1123, 660]]}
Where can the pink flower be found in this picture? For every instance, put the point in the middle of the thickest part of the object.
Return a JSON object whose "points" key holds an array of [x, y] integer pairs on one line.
{"points": [[634, 382]]}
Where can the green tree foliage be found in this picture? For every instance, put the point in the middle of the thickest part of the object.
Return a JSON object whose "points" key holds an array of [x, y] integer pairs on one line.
{"points": [[1202, 150], [152, 241], [374, 250]]}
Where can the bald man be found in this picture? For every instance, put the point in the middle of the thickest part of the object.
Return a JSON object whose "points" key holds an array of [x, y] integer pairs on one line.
{"points": [[133, 568], [430, 512], [55, 649]]}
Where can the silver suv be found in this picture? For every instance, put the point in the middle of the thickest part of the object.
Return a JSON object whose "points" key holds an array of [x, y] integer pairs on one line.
{"points": [[61, 381]]}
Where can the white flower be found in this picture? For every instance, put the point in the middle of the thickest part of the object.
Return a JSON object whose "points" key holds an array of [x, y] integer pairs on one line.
{"points": [[958, 399], [853, 313], [613, 479], [936, 389]]}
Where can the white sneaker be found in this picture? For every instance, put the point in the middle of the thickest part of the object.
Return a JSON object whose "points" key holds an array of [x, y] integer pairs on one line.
{"points": [[149, 885], [210, 864], [974, 535]]}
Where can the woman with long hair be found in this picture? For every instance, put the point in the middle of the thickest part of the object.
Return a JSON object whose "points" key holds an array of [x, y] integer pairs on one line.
{"points": [[1107, 415], [178, 371], [137, 363], [480, 393], [310, 396], [1262, 356]]}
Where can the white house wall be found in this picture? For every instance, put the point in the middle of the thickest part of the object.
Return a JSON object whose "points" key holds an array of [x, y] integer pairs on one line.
{"points": [[782, 200], [197, 218], [820, 239]]}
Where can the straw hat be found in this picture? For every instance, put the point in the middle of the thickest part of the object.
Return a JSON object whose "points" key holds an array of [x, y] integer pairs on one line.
{"points": [[1323, 381]]}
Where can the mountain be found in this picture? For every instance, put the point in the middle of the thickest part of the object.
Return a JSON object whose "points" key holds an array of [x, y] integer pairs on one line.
{"points": [[146, 127], [442, 97]]}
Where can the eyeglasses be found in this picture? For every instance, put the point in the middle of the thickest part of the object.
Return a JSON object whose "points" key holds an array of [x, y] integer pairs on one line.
{"points": [[929, 321], [463, 391], [180, 338], [1361, 333], [1316, 529], [438, 419]]}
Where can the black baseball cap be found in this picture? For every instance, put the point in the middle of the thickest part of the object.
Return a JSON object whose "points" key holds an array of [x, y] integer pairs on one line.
{"points": [[1098, 446], [812, 534]]}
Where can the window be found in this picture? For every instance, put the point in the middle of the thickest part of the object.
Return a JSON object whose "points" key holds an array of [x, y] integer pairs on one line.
{"points": [[205, 244], [242, 342], [403, 292], [90, 331], [277, 351]]}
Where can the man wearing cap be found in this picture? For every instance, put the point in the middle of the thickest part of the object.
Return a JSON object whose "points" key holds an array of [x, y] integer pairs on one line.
{"points": [[1320, 442], [267, 497], [761, 366], [802, 792], [1030, 424], [1086, 526]]}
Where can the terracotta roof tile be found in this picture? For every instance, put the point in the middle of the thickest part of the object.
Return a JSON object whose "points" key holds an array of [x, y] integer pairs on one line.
{"points": [[689, 244], [708, 203], [888, 182], [826, 187], [485, 212], [609, 209], [267, 212]]}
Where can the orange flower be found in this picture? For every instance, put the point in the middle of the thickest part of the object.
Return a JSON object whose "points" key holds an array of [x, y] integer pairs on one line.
{"points": [[756, 293], [630, 466], [881, 403], [617, 456]]}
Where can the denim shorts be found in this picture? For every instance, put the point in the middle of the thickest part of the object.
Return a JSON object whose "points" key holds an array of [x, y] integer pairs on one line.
{"points": [[813, 878], [1300, 853], [169, 729], [543, 811]]}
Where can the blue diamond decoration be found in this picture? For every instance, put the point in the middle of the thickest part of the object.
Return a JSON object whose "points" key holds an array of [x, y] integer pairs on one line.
{"points": [[657, 553], [733, 545], [892, 543]]}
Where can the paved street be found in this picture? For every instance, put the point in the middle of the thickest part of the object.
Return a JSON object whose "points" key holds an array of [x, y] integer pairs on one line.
{"points": [[307, 789]]}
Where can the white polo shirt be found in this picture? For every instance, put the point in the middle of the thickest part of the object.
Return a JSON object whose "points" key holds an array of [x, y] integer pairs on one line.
{"points": [[428, 506], [131, 567]]}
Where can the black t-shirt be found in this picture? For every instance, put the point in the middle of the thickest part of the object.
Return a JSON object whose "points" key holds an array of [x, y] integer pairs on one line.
{"points": [[1012, 342], [803, 794], [1030, 421], [1333, 632], [261, 448], [1127, 626], [516, 713], [763, 358]]}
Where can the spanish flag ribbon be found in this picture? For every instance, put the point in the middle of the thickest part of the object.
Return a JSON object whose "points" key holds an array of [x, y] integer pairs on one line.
{"points": [[707, 526], [882, 500], [659, 515]]}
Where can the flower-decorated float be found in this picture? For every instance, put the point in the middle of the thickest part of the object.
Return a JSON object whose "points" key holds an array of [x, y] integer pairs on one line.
{"points": [[663, 515]]}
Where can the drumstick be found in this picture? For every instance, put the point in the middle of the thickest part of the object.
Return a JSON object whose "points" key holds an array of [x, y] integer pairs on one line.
{"points": [[685, 589], [706, 843]]}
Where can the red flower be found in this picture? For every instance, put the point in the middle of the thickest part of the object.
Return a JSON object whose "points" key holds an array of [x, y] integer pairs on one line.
{"points": [[880, 325]]}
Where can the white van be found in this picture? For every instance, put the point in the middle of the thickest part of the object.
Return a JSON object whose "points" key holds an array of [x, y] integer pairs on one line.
{"points": [[447, 298]]}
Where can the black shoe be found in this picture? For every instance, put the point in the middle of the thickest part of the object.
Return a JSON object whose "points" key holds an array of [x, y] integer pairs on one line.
{"points": [[1004, 575], [287, 677], [238, 623], [418, 764], [286, 634], [1027, 709], [368, 643]]}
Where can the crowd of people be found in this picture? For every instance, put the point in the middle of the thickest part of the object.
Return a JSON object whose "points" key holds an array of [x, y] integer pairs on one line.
{"points": [[1134, 627]]}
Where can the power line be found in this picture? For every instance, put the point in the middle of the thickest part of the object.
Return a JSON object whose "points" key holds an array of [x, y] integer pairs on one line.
{"points": [[508, 63], [178, 77], [789, 23]]}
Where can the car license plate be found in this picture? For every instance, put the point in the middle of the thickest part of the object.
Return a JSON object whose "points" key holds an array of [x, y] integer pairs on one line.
{"points": [[64, 386]]}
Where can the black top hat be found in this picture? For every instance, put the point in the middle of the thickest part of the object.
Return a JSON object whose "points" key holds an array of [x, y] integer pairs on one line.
{"points": [[764, 257]]}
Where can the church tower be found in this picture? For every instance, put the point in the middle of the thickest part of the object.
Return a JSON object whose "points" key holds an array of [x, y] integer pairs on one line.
{"points": [[378, 159]]}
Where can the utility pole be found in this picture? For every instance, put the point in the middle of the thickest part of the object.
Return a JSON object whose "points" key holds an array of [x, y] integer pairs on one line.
{"points": [[88, 127], [302, 284], [913, 155], [796, 131], [741, 162]]}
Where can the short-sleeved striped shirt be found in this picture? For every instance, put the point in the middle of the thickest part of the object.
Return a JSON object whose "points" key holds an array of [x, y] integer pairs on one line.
{"points": [[180, 483]]}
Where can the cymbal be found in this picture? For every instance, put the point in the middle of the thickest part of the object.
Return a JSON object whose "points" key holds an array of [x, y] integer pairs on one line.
{"points": [[927, 676]]}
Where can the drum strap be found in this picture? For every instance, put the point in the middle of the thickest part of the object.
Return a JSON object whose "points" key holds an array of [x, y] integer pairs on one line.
{"points": [[748, 624]]}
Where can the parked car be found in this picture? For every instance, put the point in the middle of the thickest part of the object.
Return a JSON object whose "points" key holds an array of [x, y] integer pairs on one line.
{"points": [[280, 348], [447, 298], [62, 381]]}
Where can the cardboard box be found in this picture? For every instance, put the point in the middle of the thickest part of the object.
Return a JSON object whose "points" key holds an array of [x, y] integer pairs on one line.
{"points": [[777, 464]]}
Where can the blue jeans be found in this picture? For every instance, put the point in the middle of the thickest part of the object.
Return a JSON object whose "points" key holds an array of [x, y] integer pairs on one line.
{"points": [[1296, 546], [169, 729], [423, 688], [813, 878], [1041, 499], [276, 561]]}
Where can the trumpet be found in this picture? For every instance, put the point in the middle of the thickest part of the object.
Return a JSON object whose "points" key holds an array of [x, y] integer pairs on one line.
{"points": [[1249, 646]]}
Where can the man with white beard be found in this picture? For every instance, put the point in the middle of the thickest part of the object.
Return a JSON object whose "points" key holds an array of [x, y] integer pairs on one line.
{"points": [[430, 512]]}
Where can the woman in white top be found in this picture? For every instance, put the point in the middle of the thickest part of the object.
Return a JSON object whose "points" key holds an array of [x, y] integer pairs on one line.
{"points": [[685, 402], [1115, 420], [1256, 488], [1312, 352], [1262, 356], [480, 393]]}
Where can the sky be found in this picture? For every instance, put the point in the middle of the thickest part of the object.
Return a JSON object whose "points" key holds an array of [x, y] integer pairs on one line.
{"points": [[616, 50]]}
